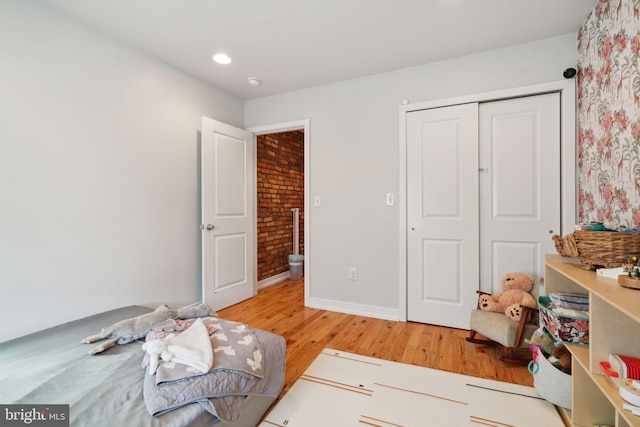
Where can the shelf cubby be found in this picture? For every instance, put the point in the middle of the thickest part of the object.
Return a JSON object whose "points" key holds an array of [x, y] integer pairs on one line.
{"points": [[614, 328]]}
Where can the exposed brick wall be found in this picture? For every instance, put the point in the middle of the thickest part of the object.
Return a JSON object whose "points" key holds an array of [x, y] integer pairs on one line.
{"points": [[280, 187]]}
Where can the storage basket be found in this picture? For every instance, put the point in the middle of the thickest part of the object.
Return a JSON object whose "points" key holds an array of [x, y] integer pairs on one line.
{"points": [[601, 249], [564, 328], [550, 382]]}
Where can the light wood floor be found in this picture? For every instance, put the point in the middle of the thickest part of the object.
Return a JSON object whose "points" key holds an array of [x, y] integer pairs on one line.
{"points": [[280, 309]]}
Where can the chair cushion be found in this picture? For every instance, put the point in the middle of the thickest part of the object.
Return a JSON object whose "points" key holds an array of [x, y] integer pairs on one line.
{"points": [[499, 328]]}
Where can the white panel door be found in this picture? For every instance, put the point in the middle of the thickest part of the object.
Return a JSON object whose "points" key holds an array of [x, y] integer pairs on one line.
{"points": [[227, 186], [442, 215], [519, 185]]}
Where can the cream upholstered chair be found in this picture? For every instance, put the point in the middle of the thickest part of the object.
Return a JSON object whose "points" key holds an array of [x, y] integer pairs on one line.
{"points": [[497, 328]]}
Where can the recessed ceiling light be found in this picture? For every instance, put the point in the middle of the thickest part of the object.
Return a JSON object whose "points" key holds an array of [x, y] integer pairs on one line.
{"points": [[221, 58]]}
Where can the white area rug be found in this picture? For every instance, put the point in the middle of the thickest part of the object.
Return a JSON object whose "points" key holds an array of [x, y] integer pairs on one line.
{"points": [[344, 389]]}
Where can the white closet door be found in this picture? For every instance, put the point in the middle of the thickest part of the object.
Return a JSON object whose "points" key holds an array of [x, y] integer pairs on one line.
{"points": [[519, 185], [483, 199], [442, 215]]}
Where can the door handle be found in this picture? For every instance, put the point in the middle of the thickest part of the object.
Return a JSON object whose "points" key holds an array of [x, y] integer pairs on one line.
{"points": [[209, 227]]}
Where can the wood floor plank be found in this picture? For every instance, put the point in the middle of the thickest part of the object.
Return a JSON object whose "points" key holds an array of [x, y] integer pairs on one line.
{"points": [[280, 309]]}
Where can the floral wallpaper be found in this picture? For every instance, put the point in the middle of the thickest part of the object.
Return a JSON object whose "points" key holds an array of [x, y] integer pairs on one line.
{"points": [[609, 114]]}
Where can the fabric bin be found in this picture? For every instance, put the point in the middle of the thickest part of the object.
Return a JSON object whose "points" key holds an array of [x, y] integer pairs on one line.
{"points": [[564, 328], [550, 382]]}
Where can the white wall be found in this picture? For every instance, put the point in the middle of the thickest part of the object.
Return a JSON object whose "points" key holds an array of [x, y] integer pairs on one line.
{"points": [[99, 168], [354, 161], [99, 203]]}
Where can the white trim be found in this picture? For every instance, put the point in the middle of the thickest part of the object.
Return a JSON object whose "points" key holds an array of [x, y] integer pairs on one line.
{"points": [[273, 280], [281, 127], [568, 158], [557, 86], [352, 308], [567, 90], [402, 205], [303, 124]]}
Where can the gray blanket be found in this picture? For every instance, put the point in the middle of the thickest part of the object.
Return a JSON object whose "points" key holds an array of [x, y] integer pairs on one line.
{"points": [[106, 390], [241, 368], [235, 347]]}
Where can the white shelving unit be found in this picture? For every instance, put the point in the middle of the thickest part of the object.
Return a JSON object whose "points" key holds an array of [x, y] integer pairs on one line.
{"points": [[614, 328]]}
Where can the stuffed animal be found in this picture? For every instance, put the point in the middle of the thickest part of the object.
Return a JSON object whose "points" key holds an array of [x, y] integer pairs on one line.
{"points": [[564, 356], [515, 292], [543, 339], [129, 330]]}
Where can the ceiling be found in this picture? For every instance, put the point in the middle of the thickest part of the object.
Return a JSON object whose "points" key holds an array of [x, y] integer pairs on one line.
{"points": [[294, 44]]}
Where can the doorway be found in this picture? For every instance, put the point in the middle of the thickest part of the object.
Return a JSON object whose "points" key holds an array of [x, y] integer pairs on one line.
{"points": [[280, 191], [301, 126]]}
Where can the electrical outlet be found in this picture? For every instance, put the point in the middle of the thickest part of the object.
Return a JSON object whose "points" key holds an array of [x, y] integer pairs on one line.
{"points": [[353, 273]]}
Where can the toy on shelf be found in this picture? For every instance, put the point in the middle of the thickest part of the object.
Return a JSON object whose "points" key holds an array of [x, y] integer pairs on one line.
{"points": [[563, 356], [632, 277], [620, 366], [542, 339], [630, 391]]}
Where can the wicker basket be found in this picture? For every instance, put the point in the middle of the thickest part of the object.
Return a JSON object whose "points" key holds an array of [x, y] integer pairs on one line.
{"points": [[600, 249]]}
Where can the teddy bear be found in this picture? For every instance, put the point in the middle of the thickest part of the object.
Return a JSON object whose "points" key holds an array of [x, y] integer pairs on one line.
{"points": [[563, 355], [515, 292]]}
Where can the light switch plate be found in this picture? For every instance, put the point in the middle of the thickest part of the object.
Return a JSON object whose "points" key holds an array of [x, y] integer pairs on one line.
{"points": [[390, 199]]}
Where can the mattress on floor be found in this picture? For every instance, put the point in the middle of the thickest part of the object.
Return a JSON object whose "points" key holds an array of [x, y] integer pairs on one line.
{"points": [[53, 367]]}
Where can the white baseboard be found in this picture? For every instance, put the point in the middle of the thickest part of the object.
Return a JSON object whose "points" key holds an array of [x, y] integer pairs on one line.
{"points": [[352, 308], [273, 280]]}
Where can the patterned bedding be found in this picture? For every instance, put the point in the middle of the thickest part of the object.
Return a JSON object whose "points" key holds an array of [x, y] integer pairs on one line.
{"points": [[237, 372], [53, 367]]}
